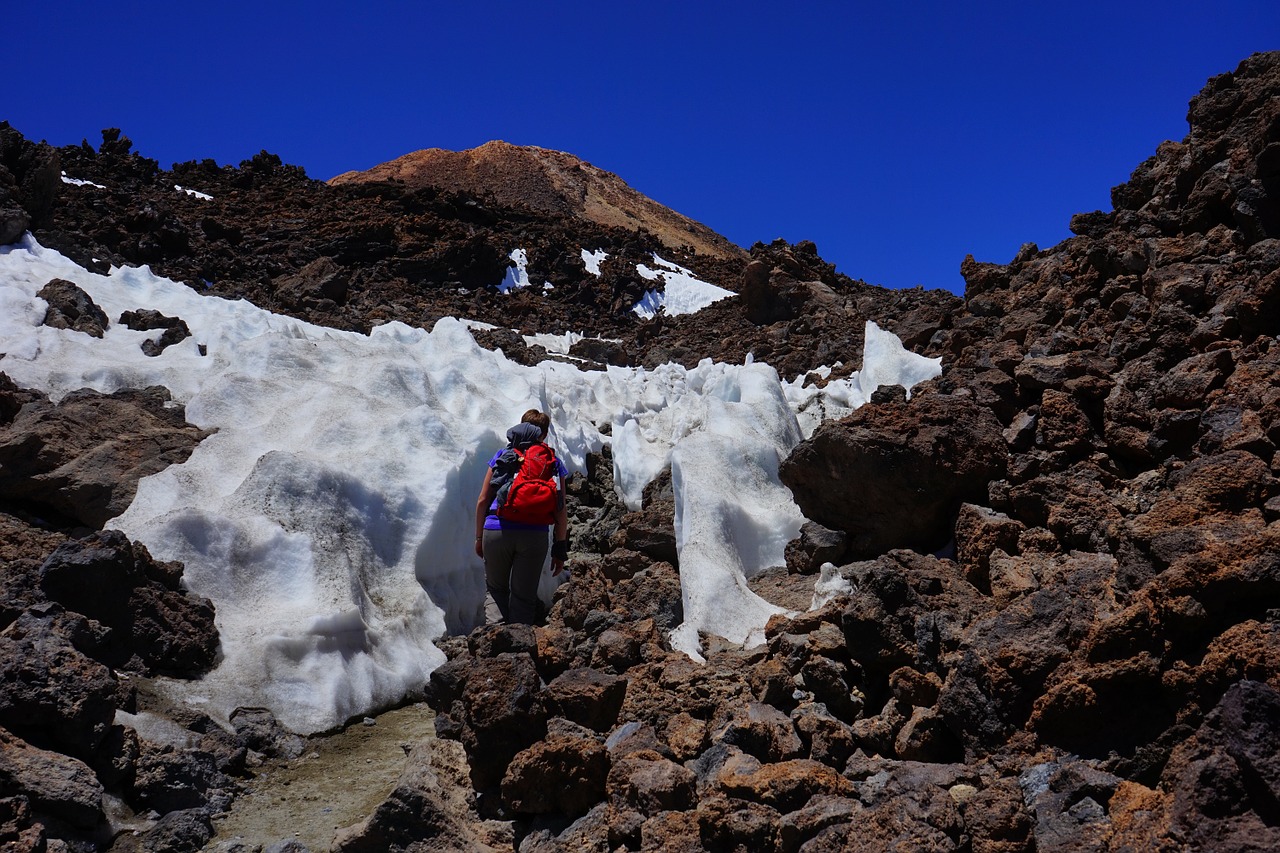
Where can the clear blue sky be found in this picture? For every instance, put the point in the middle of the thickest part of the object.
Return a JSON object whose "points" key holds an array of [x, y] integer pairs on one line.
{"points": [[898, 137]]}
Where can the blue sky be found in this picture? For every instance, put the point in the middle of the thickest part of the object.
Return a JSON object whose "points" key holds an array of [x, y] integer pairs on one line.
{"points": [[898, 137]]}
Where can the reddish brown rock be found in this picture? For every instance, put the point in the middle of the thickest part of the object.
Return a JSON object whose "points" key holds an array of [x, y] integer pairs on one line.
{"points": [[562, 774], [786, 785], [649, 783], [56, 785], [71, 308], [979, 532], [504, 713], [893, 475], [81, 459], [51, 693], [586, 696]]}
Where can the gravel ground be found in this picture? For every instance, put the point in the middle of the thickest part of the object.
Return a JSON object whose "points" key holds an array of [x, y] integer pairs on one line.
{"points": [[337, 782]]}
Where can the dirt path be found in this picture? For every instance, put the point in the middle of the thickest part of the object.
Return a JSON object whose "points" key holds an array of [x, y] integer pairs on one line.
{"points": [[338, 781]]}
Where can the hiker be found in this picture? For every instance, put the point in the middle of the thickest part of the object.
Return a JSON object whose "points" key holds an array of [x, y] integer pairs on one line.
{"points": [[522, 497]]}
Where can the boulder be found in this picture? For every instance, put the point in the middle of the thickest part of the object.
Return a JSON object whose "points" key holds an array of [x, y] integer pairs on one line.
{"points": [[562, 774], [56, 785], [760, 730], [80, 460], [815, 545], [154, 623], [261, 731], [72, 308], [786, 785], [649, 784], [52, 693], [504, 712], [320, 279], [169, 778], [894, 475], [1223, 782], [174, 329], [586, 696], [185, 829], [428, 805]]}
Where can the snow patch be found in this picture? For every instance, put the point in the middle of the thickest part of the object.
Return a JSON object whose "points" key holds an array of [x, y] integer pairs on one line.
{"points": [[76, 182], [682, 291], [558, 344], [592, 260], [191, 192], [329, 514]]}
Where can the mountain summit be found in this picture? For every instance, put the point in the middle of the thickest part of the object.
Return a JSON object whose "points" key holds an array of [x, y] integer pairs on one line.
{"points": [[546, 181]]}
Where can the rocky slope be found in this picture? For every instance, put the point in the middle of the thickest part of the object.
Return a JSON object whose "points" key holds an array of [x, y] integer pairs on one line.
{"points": [[1047, 618], [546, 182]]}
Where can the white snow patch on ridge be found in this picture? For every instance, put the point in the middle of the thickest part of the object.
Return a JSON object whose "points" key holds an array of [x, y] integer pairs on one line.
{"points": [[593, 260], [682, 291], [329, 516], [77, 182], [191, 192], [518, 275], [559, 344]]}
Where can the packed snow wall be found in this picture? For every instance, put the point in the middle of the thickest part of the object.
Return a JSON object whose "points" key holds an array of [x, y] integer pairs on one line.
{"points": [[329, 516]]}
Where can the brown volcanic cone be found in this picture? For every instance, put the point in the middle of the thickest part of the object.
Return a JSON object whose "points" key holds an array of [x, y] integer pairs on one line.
{"points": [[548, 182]]}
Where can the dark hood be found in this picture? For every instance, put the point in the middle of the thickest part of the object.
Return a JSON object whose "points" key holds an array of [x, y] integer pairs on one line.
{"points": [[521, 436]]}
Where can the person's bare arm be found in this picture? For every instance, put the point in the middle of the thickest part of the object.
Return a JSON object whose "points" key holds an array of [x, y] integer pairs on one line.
{"points": [[487, 494]]}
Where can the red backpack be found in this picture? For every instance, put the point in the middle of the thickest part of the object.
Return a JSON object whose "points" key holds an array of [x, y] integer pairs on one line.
{"points": [[532, 497]]}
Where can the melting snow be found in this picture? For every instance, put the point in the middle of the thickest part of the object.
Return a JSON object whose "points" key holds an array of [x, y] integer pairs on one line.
{"points": [[196, 193], [682, 292], [329, 515], [592, 260], [76, 182], [559, 344], [517, 276]]}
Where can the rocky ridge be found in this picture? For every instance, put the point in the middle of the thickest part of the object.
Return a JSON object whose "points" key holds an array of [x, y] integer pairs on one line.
{"points": [[1074, 648], [547, 182]]}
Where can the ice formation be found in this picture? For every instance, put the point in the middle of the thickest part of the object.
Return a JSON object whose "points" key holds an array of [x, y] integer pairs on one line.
{"points": [[329, 516]]}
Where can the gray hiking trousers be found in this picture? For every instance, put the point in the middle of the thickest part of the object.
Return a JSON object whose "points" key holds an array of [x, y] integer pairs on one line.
{"points": [[513, 561]]}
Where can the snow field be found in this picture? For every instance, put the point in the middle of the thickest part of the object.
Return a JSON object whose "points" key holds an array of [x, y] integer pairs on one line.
{"points": [[330, 515]]}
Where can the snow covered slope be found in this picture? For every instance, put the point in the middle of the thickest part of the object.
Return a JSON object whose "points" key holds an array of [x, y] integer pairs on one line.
{"points": [[329, 518]]}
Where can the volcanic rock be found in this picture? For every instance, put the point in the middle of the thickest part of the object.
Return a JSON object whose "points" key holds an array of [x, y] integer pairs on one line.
{"points": [[586, 696], [71, 308], [893, 475], [80, 459], [562, 774], [1099, 647], [548, 182], [52, 694], [56, 785], [154, 623], [427, 804], [175, 329]]}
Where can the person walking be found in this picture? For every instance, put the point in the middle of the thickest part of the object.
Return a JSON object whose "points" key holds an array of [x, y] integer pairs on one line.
{"points": [[521, 499]]}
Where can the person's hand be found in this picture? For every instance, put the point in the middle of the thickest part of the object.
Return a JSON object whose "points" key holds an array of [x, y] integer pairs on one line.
{"points": [[480, 547], [557, 566]]}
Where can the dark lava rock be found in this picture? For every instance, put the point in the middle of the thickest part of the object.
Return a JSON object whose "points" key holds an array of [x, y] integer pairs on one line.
{"points": [[71, 308], [175, 329], [52, 694], [56, 785], [154, 622], [80, 459], [893, 475]]}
